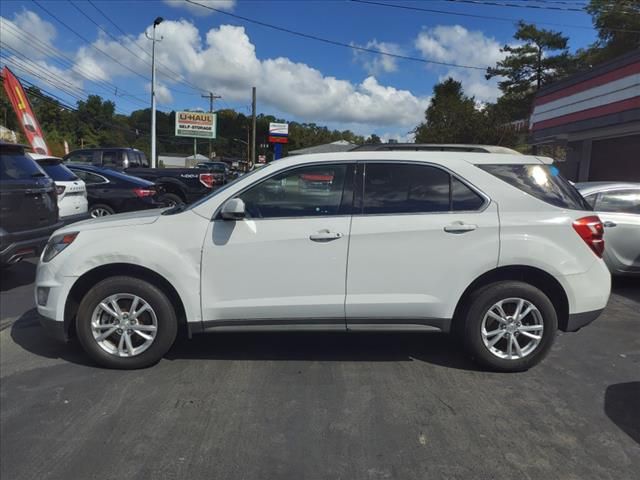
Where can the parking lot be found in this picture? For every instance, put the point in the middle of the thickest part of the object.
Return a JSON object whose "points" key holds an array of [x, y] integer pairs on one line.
{"points": [[305, 406]]}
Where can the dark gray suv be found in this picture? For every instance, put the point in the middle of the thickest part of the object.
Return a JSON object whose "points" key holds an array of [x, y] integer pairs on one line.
{"points": [[28, 206]]}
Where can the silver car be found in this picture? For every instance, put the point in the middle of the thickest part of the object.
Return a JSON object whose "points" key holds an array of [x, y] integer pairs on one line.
{"points": [[618, 206]]}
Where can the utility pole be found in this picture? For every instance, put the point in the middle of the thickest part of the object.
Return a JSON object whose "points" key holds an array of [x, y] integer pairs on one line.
{"points": [[211, 98], [156, 22], [252, 161]]}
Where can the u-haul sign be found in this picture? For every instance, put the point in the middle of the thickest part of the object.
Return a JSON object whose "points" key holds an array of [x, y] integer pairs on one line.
{"points": [[196, 124]]}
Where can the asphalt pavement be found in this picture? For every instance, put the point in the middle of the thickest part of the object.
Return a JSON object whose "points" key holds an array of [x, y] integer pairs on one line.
{"points": [[319, 406]]}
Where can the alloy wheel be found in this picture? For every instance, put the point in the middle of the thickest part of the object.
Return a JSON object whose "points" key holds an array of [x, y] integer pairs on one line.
{"points": [[99, 212], [124, 325], [512, 328]]}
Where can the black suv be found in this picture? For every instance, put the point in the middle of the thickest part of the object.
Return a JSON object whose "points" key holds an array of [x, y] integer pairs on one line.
{"points": [[28, 205]]}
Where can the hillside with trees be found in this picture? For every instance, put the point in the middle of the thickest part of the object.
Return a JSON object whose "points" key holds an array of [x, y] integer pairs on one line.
{"points": [[94, 123]]}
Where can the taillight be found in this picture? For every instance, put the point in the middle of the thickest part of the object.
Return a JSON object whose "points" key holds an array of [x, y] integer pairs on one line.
{"points": [[60, 189], [144, 192], [207, 179], [591, 231]]}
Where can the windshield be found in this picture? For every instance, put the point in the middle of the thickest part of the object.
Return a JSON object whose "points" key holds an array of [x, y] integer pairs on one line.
{"points": [[57, 171], [221, 189]]}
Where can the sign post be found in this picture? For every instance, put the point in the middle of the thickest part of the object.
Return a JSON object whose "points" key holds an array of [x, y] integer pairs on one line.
{"points": [[278, 134]]}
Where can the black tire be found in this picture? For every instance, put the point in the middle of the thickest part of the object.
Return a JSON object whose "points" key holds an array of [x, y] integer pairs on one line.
{"points": [[100, 206], [167, 324], [171, 199], [479, 304]]}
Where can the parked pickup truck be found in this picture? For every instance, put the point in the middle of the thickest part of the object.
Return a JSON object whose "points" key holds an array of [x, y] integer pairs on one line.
{"points": [[181, 185]]}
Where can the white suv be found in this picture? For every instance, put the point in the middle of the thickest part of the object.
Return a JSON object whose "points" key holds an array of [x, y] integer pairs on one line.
{"points": [[71, 191], [496, 248]]}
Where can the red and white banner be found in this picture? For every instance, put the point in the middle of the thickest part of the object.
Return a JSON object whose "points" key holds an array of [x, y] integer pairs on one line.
{"points": [[22, 107]]}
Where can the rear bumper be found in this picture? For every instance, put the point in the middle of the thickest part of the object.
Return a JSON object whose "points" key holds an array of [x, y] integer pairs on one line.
{"points": [[24, 244], [578, 320]]}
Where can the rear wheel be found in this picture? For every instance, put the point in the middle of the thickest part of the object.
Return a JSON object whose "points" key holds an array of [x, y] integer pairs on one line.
{"points": [[126, 323], [100, 210], [510, 326]]}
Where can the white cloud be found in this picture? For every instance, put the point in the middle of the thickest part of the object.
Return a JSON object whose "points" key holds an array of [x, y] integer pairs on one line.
{"points": [[25, 25], [456, 44], [374, 63], [163, 94], [224, 60], [226, 5], [226, 63]]}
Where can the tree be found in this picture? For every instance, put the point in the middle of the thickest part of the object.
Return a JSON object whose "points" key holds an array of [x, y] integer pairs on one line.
{"points": [[530, 65], [373, 140], [451, 116], [618, 26]]}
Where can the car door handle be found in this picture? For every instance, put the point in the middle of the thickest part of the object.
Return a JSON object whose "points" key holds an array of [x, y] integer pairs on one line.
{"points": [[325, 236], [460, 227], [610, 224]]}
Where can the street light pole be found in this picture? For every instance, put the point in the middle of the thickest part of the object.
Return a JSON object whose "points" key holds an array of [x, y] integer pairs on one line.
{"points": [[156, 22]]}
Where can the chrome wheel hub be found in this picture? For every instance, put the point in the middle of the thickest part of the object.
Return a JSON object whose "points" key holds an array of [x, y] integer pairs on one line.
{"points": [[124, 325], [512, 328]]}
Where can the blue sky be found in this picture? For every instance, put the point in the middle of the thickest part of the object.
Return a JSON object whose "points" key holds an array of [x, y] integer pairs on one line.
{"points": [[297, 78]]}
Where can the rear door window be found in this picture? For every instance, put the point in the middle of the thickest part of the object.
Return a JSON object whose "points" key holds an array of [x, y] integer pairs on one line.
{"points": [[112, 158], [619, 201], [543, 182], [463, 198], [404, 188], [90, 178]]}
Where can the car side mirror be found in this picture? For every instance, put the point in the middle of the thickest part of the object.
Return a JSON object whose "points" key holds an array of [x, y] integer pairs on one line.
{"points": [[233, 209]]}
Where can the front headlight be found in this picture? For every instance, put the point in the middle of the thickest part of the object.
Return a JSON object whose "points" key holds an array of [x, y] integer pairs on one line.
{"points": [[57, 244]]}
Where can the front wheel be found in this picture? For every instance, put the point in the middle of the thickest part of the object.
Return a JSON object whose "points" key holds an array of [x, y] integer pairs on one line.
{"points": [[510, 326], [126, 323]]}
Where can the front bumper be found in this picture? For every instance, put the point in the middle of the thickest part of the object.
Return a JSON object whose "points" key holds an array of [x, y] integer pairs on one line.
{"points": [[54, 329]]}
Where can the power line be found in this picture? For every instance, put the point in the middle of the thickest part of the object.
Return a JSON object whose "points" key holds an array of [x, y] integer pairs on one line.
{"points": [[531, 5], [50, 51], [332, 42], [89, 42], [473, 15], [178, 76]]}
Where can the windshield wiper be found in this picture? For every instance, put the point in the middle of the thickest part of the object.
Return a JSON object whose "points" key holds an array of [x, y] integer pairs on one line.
{"points": [[38, 174]]}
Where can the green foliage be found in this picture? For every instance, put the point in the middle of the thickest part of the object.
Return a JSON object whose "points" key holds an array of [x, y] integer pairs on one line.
{"points": [[453, 117], [373, 140], [530, 65], [618, 26]]}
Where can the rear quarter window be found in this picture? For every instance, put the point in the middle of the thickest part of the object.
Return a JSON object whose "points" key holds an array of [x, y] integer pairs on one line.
{"points": [[543, 182]]}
